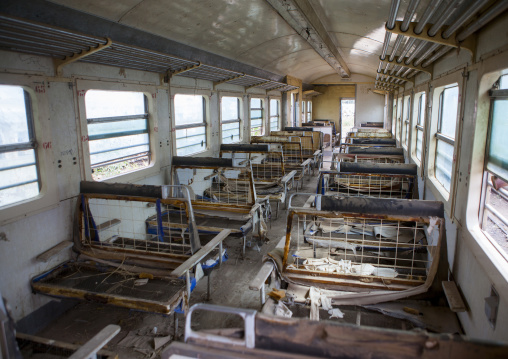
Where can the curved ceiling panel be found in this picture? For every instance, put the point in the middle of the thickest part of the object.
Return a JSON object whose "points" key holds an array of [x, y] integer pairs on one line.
{"points": [[302, 63], [269, 51]]}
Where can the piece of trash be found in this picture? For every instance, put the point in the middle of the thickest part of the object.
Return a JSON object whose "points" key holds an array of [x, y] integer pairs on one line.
{"points": [[159, 342], [281, 310], [336, 313], [140, 282], [411, 311], [146, 275], [154, 330], [432, 224], [277, 294]]}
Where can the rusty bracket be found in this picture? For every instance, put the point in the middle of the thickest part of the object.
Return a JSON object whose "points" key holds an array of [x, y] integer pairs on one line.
{"points": [[60, 63]]}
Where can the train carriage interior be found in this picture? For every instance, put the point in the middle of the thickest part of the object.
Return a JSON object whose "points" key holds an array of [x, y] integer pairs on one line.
{"points": [[236, 179]]}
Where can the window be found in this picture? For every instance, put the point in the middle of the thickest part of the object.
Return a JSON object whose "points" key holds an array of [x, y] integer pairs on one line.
{"points": [[19, 178], [405, 131], [420, 123], [399, 117], [117, 123], [274, 115], [256, 117], [230, 119], [494, 214], [445, 136], [309, 111], [304, 103], [190, 124]]}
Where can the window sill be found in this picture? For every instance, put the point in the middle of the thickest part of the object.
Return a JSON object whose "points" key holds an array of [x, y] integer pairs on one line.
{"points": [[440, 193], [134, 176]]}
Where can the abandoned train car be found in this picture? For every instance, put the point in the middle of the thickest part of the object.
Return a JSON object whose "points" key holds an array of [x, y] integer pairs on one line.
{"points": [[96, 96]]}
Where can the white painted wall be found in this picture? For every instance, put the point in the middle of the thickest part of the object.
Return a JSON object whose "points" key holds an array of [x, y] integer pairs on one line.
{"points": [[473, 263]]}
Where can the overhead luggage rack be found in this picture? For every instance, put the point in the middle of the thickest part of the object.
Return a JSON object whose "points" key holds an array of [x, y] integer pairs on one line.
{"points": [[67, 46]]}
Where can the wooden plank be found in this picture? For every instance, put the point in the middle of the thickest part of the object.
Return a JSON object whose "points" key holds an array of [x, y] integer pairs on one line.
{"points": [[99, 340], [108, 224], [325, 339], [453, 296], [288, 177], [196, 257], [260, 278], [53, 251]]}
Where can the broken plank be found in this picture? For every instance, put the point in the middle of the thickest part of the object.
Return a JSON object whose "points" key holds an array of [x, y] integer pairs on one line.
{"points": [[453, 296], [260, 278], [199, 255], [53, 251], [108, 224]]}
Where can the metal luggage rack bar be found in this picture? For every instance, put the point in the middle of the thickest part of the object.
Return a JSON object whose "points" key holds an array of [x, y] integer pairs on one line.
{"points": [[363, 243]]}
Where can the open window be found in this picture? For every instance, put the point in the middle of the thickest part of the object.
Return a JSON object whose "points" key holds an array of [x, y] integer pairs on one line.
{"points": [[190, 124], [256, 117], [19, 174], [445, 135], [118, 135], [230, 119], [494, 200], [419, 126], [399, 119], [405, 128], [274, 115]]}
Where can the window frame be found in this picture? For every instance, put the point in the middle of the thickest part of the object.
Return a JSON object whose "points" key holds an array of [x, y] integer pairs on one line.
{"points": [[150, 92], [487, 173], [398, 126], [418, 125], [405, 122], [239, 120], [278, 100], [31, 144], [438, 86], [442, 137], [262, 118], [48, 195], [109, 119], [192, 125]]}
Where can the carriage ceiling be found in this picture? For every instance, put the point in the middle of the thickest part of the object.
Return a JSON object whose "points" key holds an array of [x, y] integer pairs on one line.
{"points": [[253, 31], [307, 39]]}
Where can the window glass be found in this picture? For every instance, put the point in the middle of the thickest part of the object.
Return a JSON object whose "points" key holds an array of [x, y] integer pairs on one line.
{"points": [[230, 117], [190, 123], [494, 214], [406, 121], [19, 179], [117, 123], [420, 126], [274, 115], [445, 136], [448, 112], [444, 162], [498, 150], [256, 117], [309, 111]]}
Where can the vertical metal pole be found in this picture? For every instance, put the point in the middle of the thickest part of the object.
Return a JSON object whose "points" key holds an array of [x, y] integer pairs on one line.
{"points": [[220, 254], [208, 286]]}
